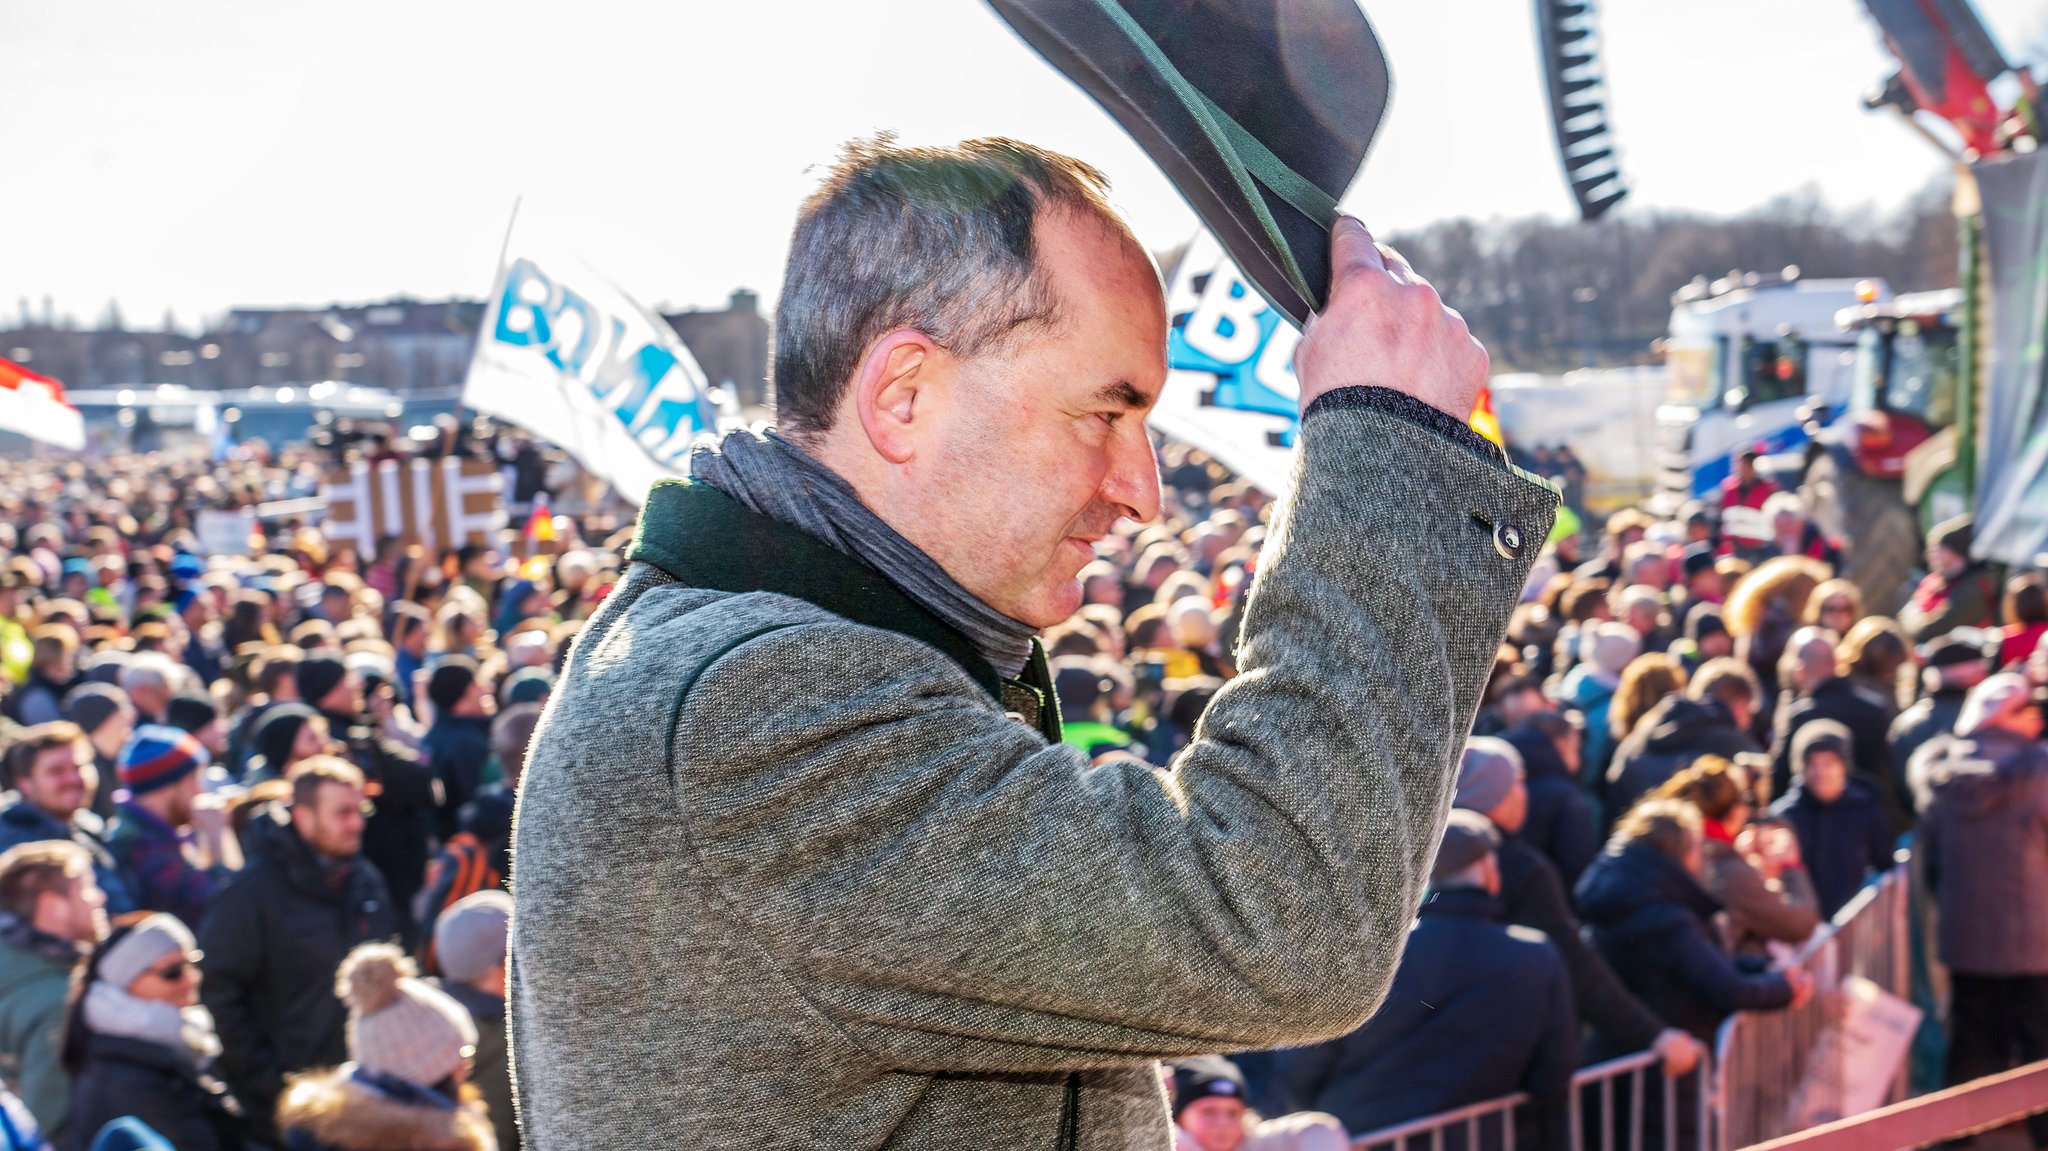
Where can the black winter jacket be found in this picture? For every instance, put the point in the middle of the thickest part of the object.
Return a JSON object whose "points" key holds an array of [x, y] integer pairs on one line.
{"points": [[1562, 822], [1477, 1010], [1652, 921], [1533, 896], [1934, 715], [399, 838], [1667, 740], [1869, 722], [151, 1082], [273, 940], [458, 748], [1841, 843]]}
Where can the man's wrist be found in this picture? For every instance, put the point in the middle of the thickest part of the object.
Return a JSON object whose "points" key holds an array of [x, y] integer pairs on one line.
{"points": [[1405, 407]]}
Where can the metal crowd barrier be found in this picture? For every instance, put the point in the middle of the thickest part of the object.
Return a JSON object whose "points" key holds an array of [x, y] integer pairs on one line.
{"points": [[1611, 1094], [1771, 1083]]}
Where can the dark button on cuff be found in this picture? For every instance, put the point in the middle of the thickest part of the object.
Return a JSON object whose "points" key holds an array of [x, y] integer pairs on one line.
{"points": [[1508, 539]]}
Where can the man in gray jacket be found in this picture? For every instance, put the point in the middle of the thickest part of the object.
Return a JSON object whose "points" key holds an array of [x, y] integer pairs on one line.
{"points": [[801, 860]]}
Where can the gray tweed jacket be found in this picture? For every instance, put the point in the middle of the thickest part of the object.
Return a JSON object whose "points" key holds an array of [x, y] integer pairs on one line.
{"points": [[792, 874]]}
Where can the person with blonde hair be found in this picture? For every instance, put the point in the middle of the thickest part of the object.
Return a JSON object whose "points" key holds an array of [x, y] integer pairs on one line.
{"points": [[1756, 872], [1764, 609], [1835, 605], [1645, 682]]}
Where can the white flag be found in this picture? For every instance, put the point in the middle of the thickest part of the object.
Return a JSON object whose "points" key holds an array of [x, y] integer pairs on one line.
{"points": [[1230, 386], [34, 406], [571, 358]]}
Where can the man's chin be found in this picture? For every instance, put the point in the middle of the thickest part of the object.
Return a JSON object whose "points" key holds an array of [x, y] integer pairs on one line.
{"points": [[1053, 606]]}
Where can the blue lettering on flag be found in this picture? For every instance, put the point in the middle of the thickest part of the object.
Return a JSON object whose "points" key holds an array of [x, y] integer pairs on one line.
{"points": [[1232, 361]]}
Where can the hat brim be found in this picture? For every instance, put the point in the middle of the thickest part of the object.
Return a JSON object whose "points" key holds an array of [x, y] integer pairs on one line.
{"points": [[1309, 81]]}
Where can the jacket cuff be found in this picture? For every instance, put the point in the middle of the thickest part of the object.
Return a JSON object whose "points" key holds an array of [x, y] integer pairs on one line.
{"points": [[1403, 406]]}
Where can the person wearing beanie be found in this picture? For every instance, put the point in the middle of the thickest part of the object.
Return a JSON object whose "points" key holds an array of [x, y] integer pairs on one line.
{"points": [[1700, 580], [1983, 837], [103, 712], [200, 715], [458, 744], [1532, 894], [1949, 668], [527, 685], [1706, 637], [1465, 972], [1843, 833], [1211, 1101], [1958, 591], [1830, 692], [406, 1084], [177, 850], [469, 947], [288, 733], [1607, 649], [138, 1044], [324, 683]]}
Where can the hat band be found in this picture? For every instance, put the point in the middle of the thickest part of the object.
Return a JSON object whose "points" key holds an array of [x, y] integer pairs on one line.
{"points": [[1254, 161]]}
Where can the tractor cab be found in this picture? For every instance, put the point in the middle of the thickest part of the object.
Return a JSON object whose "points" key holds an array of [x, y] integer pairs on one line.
{"points": [[1904, 385]]}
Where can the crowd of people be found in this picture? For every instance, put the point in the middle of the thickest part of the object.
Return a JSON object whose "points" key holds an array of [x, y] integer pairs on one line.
{"points": [[254, 848]]}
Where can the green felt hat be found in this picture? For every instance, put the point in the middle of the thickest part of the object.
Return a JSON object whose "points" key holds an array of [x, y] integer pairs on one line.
{"points": [[1259, 111]]}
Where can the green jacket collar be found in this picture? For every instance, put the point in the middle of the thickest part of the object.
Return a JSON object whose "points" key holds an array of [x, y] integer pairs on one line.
{"points": [[707, 539]]}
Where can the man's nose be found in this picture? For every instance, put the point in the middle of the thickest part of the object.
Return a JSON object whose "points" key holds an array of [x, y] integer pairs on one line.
{"points": [[1133, 479]]}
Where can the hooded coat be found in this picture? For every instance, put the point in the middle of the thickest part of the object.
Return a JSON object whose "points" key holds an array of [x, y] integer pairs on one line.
{"points": [[1667, 739], [1984, 837], [1653, 923], [340, 1110]]}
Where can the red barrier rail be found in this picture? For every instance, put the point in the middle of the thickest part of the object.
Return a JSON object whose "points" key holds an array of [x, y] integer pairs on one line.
{"points": [[1969, 1109]]}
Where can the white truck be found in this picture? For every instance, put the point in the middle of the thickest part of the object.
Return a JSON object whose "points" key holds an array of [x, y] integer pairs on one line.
{"points": [[1751, 359]]}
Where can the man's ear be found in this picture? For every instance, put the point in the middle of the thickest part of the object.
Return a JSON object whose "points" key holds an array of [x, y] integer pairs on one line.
{"points": [[889, 386]]}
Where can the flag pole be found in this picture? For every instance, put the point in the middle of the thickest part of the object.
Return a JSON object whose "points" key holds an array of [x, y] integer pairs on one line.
{"points": [[497, 274]]}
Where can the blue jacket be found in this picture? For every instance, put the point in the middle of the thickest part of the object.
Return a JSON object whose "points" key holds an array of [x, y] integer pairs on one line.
{"points": [[1841, 842], [1562, 822], [1478, 1010], [1651, 921], [23, 822]]}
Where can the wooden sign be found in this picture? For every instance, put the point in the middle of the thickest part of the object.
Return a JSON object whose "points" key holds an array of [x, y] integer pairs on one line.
{"points": [[437, 503]]}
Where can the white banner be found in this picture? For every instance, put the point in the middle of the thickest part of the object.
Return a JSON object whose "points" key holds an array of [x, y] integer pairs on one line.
{"points": [[1230, 386], [571, 358]]}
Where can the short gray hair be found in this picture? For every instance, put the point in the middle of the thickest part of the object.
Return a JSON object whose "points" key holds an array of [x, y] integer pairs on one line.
{"points": [[935, 239]]}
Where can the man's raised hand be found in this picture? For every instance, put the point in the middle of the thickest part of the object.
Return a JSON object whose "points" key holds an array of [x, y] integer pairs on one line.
{"points": [[1386, 327]]}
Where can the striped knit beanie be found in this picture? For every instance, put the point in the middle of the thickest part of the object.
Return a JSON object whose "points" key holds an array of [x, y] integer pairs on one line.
{"points": [[158, 755]]}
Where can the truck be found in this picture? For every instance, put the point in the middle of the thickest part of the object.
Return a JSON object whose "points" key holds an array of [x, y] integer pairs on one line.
{"points": [[1949, 412], [1751, 359]]}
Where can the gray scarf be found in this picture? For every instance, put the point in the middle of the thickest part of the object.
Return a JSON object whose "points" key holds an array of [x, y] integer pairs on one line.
{"points": [[777, 479]]}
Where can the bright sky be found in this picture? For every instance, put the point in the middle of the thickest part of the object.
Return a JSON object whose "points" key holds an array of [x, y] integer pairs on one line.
{"points": [[200, 155]]}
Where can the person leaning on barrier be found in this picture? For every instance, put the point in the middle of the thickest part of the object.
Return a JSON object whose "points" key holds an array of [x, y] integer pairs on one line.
{"points": [[1755, 872], [798, 810], [1650, 918]]}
